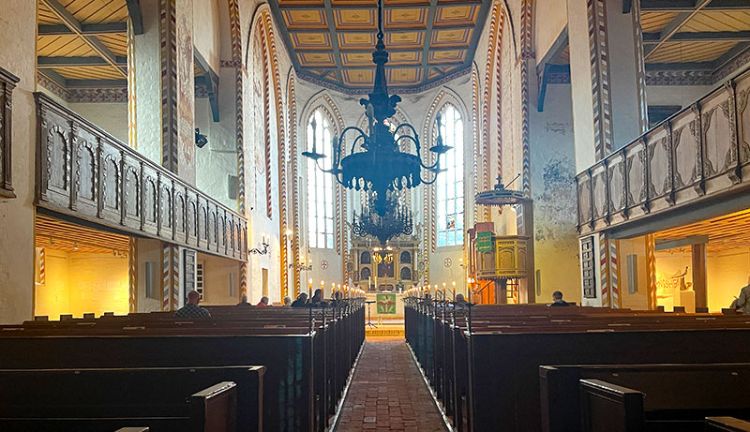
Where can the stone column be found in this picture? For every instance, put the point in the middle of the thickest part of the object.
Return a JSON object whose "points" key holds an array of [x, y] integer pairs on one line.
{"points": [[606, 60]]}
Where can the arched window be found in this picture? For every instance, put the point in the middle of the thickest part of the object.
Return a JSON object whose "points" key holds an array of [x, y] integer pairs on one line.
{"points": [[320, 211], [365, 273], [406, 273], [405, 257], [450, 184], [364, 258]]}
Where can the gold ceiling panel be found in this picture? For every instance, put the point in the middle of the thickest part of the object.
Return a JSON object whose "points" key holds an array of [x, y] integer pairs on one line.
{"points": [[724, 232], [652, 22], [97, 11], [428, 41], [356, 59], [58, 234], [462, 15], [451, 37], [716, 21], [406, 18], [310, 40], [404, 76], [89, 72], [358, 77], [405, 58], [63, 46], [404, 40], [355, 19], [448, 56], [317, 59], [692, 52], [305, 19], [356, 41]]}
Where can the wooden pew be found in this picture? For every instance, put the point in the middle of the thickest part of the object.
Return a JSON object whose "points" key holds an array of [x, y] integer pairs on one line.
{"points": [[126, 392], [210, 410], [609, 407], [726, 424], [678, 397], [494, 379], [306, 395]]}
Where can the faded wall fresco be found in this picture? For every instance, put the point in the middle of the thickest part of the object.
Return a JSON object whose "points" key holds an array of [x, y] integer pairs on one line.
{"points": [[185, 92]]}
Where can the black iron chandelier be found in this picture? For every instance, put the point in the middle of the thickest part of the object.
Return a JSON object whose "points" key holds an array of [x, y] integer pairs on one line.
{"points": [[375, 161], [395, 222]]}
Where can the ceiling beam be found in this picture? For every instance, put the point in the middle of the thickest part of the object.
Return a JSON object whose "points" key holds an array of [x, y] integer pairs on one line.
{"points": [[86, 29], [136, 16], [75, 26], [722, 36], [674, 26], [334, 38], [55, 62], [426, 66], [72, 84], [689, 5], [730, 55]]}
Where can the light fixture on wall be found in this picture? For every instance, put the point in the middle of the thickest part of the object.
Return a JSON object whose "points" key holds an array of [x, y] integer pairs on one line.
{"points": [[264, 248], [200, 139], [375, 160]]}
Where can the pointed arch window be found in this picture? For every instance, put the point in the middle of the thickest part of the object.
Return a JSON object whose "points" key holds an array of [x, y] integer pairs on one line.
{"points": [[450, 184], [320, 208]]}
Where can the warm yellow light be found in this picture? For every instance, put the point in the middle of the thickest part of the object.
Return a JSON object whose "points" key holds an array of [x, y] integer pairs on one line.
{"points": [[289, 232]]}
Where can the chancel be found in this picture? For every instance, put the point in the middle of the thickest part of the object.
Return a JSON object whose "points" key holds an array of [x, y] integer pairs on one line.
{"points": [[388, 215]]}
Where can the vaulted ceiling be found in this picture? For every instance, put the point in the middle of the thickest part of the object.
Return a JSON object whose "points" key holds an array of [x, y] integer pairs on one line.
{"points": [[331, 41]]}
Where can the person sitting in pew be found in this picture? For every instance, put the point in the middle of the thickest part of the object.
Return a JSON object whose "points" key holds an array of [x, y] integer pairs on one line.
{"points": [[460, 302], [243, 301], [557, 299], [263, 302], [287, 301], [742, 303], [301, 301], [191, 308], [317, 298]]}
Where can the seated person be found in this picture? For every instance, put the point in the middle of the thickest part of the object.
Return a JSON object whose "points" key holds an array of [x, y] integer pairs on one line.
{"points": [[460, 301], [317, 298], [263, 302], [301, 301], [191, 308], [243, 301], [287, 301], [557, 299]]}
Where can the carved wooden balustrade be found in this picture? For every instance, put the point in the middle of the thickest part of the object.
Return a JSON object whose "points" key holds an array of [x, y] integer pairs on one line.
{"points": [[700, 152], [84, 172], [8, 82]]}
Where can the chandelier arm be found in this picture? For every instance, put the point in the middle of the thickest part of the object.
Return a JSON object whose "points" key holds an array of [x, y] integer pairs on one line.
{"points": [[429, 167], [428, 182], [410, 138]]}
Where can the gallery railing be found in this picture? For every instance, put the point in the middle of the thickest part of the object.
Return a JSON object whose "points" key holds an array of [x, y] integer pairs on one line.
{"points": [[84, 172], [701, 151]]}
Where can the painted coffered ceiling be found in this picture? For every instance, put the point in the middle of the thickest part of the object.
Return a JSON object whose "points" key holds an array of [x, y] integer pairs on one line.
{"points": [[331, 41]]}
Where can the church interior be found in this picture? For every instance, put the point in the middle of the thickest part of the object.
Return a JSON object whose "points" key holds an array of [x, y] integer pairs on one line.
{"points": [[350, 215]]}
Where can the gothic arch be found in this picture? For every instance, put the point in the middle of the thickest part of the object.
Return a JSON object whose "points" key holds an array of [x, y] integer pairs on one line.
{"points": [[262, 27]]}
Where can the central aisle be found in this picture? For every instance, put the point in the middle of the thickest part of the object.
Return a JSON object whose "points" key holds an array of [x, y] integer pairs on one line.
{"points": [[387, 392]]}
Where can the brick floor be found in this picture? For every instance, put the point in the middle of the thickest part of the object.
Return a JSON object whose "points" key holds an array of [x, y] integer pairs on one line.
{"points": [[388, 393]]}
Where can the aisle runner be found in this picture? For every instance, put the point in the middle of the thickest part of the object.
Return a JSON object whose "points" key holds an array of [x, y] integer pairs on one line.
{"points": [[388, 393]]}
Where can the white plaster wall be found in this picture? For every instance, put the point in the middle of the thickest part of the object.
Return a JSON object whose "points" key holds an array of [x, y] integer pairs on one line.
{"points": [[149, 251], [639, 299], [218, 159], [550, 19], [206, 27], [675, 95], [553, 189], [727, 272], [216, 280], [580, 75], [148, 83], [17, 55], [112, 117]]}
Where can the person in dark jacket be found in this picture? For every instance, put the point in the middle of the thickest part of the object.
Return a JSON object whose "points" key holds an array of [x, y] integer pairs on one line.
{"points": [[557, 299]]}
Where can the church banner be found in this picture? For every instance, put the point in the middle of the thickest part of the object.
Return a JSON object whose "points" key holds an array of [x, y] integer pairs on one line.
{"points": [[386, 303]]}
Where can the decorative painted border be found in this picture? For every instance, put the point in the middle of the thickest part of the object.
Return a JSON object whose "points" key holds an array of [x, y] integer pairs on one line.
{"points": [[294, 204], [601, 98], [133, 275], [496, 28], [527, 55], [235, 31]]}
